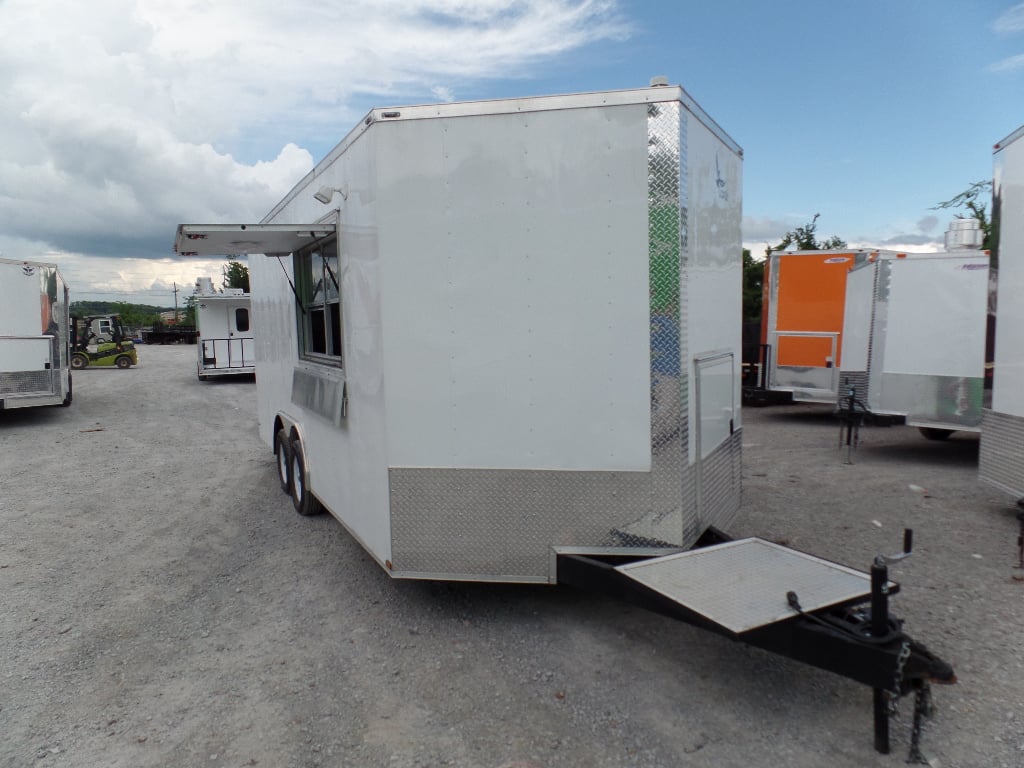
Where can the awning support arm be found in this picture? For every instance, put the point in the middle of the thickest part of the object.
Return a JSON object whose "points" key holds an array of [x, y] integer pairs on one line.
{"points": [[291, 285]]}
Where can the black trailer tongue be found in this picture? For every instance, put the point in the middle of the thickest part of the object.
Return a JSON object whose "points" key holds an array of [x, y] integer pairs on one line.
{"points": [[784, 601]]}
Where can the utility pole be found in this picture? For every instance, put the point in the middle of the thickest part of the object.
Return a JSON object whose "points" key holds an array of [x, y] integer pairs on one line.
{"points": [[176, 318]]}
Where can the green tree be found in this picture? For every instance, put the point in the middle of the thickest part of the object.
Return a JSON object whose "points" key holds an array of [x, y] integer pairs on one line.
{"points": [[189, 317], [804, 238], [753, 285], [975, 199], [236, 275]]}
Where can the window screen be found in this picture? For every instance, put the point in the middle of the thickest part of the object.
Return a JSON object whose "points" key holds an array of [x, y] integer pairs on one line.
{"points": [[319, 302]]}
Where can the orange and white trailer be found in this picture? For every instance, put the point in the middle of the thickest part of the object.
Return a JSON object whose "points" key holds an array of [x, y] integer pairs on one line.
{"points": [[802, 325]]}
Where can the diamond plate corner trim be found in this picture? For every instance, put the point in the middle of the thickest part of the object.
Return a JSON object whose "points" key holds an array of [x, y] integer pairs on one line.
{"points": [[879, 322], [1001, 453], [668, 244]]}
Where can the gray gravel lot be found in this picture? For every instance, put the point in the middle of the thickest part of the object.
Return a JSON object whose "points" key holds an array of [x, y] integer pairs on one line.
{"points": [[164, 606]]}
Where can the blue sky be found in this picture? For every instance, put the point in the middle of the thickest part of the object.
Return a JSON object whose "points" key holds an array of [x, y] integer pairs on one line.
{"points": [[122, 118]]}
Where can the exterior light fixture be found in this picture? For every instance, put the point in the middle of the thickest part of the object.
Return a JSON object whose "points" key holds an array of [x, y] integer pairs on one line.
{"points": [[326, 194]]}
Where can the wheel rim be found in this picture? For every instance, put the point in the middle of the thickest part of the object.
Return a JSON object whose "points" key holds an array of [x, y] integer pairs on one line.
{"points": [[297, 480], [282, 464]]}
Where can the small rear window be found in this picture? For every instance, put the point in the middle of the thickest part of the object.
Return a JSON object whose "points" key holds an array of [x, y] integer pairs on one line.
{"points": [[242, 319]]}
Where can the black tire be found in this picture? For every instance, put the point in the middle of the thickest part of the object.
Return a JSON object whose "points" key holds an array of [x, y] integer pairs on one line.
{"points": [[283, 460], [934, 433], [79, 361], [123, 362], [67, 397], [305, 503]]}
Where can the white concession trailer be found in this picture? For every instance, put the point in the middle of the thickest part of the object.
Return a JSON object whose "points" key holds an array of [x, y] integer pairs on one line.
{"points": [[34, 333], [500, 341], [1001, 456], [225, 339], [914, 338]]}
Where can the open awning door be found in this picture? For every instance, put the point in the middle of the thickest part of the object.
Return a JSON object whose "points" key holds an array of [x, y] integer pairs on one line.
{"points": [[245, 239], [741, 585]]}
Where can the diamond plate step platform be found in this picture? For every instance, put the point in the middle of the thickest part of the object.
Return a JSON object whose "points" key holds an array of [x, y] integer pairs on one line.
{"points": [[742, 585]]}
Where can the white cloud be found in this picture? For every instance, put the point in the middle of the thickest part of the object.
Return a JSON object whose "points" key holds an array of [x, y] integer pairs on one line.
{"points": [[441, 93], [1009, 64], [1010, 21], [121, 118]]}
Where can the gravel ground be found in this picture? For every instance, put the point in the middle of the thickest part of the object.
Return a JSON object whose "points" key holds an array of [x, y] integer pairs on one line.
{"points": [[164, 606]]}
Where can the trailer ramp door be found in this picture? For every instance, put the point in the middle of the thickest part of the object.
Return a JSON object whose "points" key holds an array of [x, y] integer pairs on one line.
{"points": [[742, 585]]}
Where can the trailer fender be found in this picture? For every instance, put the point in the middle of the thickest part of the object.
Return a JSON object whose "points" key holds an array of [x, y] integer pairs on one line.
{"points": [[283, 460], [305, 503]]}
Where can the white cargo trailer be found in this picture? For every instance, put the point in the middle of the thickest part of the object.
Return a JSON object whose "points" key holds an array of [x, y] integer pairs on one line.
{"points": [[914, 338], [223, 322], [1001, 456], [509, 350], [34, 323]]}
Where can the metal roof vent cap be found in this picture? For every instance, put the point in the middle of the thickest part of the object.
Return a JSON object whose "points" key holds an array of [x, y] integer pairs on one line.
{"points": [[659, 81], [964, 234]]}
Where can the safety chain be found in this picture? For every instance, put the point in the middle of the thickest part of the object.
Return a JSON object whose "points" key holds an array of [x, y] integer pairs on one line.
{"points": [[897, 681], [922, 709]]}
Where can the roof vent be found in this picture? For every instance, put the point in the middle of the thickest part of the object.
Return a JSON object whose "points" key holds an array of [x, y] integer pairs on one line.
{"points": [[964, 234], [658, 81], [204, 286]]}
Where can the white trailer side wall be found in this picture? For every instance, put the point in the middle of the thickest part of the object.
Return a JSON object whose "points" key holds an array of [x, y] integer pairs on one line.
{"points": [[857, 313], [347, 462], [491, 355], [34, 368], [1001, 456], [937, 310], [1008, 394]]}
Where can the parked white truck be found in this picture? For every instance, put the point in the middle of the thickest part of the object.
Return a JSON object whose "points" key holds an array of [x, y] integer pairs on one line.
{"points": [[34, 328], [508, 349], [1001, 456], [225, 339]]}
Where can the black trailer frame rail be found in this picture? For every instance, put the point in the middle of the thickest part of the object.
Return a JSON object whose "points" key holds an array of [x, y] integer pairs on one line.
{"points": [[857, 639]]}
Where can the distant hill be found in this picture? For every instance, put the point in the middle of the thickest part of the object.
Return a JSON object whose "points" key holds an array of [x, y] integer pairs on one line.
{"points": [[83, 308]]}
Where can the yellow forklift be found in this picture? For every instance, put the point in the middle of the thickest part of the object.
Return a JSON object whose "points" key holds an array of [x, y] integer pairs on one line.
{"points": [[101, 340]]}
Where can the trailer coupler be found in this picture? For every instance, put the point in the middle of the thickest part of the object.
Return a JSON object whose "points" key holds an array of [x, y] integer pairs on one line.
{"points": [[856, 638], [849, 643]]}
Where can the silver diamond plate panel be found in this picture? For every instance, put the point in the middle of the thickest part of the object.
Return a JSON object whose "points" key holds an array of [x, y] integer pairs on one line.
{"points": [[742, 585], [503, 523], [1001, 454], [27, 383], [720, 479], [856, 379]]}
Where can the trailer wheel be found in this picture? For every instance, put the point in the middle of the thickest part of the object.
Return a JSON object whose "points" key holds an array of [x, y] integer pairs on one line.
{"points": [[305, 503], [934, 433], [79, 361], [283, 461]]}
